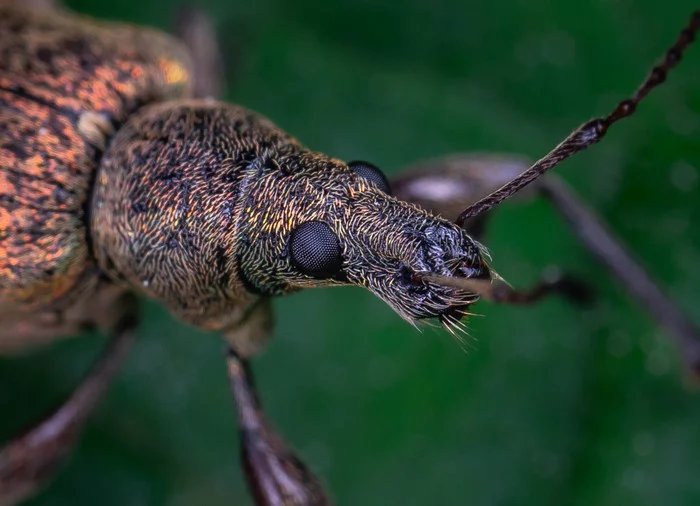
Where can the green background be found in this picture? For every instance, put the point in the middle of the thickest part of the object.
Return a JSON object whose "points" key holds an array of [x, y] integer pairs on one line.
{"points": [[550, 405]]}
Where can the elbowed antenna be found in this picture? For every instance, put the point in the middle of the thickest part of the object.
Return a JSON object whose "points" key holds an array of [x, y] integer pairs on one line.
{"points": [[592, 131]]}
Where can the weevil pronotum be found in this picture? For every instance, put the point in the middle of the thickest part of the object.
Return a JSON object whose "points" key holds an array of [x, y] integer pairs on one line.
{"points": [[115, 182]]}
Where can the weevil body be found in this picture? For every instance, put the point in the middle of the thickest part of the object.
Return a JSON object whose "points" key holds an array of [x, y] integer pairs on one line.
{"points": [[115, 179], [194, 202]]}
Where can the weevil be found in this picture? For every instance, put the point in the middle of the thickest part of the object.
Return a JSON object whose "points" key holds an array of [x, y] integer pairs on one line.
{"points": [[116, 182]]}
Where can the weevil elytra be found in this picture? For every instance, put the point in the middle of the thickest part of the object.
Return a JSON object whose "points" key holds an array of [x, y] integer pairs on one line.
{"points": [[175, 201]]}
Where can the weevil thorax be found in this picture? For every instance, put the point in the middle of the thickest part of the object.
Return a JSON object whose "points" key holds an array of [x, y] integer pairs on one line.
{"points": [[208, 206]]}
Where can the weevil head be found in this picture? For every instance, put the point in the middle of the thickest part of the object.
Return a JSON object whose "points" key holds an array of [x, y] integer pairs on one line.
{"points": [[322, 222]]}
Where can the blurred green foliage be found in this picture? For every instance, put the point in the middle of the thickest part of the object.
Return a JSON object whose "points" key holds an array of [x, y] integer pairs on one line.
{"points": [[550, 405]]}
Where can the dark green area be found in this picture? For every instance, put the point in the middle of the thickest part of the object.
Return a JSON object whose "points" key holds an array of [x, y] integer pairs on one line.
{"points": [[549, 405]]}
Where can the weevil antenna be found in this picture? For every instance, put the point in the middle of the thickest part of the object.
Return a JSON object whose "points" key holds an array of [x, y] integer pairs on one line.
{"points": [[592, 131]]}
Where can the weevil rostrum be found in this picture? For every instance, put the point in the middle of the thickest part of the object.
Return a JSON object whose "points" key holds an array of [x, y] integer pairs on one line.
{"points": [[117, 180]]}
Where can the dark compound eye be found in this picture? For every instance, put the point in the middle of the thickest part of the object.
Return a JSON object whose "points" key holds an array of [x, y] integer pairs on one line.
{"points": [[372, 174], [315, 251]]}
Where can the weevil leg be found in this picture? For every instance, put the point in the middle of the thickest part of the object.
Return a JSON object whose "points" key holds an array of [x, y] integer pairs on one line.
{"points": [[196, 29], [552, 282], [29, 461], [443, 185], [275, 475], [602, 243]]}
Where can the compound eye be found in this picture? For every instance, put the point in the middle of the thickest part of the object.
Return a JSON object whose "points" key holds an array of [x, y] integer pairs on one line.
{"points": [[315, 251], [372, 174]]}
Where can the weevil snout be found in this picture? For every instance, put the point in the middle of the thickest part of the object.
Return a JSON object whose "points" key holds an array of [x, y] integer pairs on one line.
{"points": [[448, 250], [437, 249], [448, 254]]}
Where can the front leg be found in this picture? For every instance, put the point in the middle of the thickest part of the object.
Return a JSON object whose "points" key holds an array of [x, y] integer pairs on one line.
{"points": [[275, 475]]}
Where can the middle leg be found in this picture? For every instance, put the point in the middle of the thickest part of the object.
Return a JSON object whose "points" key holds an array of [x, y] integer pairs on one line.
{"points": [[275, 475]]}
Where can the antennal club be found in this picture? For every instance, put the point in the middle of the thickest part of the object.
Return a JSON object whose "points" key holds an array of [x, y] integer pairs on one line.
{"points": [[592, 131]]}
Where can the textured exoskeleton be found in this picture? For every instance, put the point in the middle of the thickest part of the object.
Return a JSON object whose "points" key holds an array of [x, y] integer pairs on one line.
{"points": [[118, 178]]}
